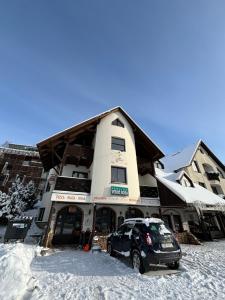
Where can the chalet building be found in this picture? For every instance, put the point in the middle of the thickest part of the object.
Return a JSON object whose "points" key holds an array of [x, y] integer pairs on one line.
{"points": [[192, 187], [100, 172], [20, 160]]}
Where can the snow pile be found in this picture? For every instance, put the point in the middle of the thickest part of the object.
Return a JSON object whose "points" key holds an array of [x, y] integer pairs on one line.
{"points": [[15, 274], [80, 275]]}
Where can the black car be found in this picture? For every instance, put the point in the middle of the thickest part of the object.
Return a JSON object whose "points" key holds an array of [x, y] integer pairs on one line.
{"points": [[147, 242]]}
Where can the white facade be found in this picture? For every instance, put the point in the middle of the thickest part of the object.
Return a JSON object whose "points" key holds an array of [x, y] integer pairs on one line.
{"points": [[99, 172]]}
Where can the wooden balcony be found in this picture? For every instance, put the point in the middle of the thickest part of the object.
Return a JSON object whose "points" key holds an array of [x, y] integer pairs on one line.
{"points": [[72, 184], [79, 155], [145, 166], [149, 192]]}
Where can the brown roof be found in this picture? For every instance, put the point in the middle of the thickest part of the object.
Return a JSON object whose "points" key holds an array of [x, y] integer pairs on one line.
{"points": [[46, 147]]}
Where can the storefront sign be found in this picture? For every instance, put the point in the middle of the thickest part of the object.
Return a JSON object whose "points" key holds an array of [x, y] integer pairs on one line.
{"points": [[69, 198], [117, 190]]}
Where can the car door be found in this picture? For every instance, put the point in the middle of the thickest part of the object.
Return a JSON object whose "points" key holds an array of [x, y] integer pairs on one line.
{"points": [[126, 238], [116, 241]]}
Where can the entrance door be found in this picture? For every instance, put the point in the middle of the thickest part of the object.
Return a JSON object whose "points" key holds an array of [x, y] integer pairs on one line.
{"points": [[68, 226], [105, 221]]}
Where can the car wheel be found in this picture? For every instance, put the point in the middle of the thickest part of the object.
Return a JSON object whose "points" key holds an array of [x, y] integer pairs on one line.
{"points": [[137, 262], [174, 266], [110, 249]]}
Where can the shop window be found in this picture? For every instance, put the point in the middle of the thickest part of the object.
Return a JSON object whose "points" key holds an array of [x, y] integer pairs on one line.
{"points": [[118, 175], [118, 144], [177, 223], [105, 221], [134, 213]]}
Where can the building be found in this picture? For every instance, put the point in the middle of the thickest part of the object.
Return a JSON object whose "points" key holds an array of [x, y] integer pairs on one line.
{"points": [[100, 172], [20, 160], [192, 187]]}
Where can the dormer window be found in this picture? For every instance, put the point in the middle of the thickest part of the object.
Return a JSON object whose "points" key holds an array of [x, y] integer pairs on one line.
{"points": [[159, 165], [117, 122], [186, 181]]}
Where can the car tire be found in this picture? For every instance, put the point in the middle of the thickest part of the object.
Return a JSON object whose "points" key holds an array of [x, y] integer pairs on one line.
{"points": [[137, 261], [174, 266], [110, 249]]}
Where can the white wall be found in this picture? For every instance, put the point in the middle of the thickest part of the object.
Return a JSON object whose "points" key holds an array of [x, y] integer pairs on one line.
{"points": [[104, 157], [148, 180]]}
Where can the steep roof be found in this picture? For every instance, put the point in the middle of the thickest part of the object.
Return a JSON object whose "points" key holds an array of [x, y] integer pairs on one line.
{"points": [[185, 157], [46, 146], [190, 195]]}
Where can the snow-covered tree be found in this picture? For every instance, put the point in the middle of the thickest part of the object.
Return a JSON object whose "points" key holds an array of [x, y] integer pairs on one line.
{"points": [[29, 195], [18, 199]]}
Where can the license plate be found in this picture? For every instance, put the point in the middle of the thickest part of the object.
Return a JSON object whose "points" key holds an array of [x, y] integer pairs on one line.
{"points": [[167, 245]]}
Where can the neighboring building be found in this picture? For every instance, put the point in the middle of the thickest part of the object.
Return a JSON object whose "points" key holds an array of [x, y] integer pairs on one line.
{"points": [[100, 172], [20, 160], [192, 186]]}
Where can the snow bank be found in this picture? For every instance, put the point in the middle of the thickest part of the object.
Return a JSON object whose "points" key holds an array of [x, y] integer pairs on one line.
{"points": [[15, 260]]}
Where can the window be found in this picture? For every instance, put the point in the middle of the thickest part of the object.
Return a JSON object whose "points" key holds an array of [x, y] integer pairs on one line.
{"points": [[200, 149], [41, 214], [195, 166], [118, 175], [117, 122], [118, 144], [214, 189], [202, 184], [48, 187], [80, 174]]}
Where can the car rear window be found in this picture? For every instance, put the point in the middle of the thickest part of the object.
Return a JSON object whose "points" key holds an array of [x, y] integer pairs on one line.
{"points": [[157, 229]]}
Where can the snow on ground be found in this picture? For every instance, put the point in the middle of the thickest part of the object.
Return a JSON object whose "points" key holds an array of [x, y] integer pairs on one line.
{"points": [[74, 274], [15, 272]]}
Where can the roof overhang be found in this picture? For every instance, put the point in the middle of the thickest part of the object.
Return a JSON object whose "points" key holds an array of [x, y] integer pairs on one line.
{"points": [[46, 147]]}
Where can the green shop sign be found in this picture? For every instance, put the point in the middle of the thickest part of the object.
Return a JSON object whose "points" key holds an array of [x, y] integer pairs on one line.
{"points": [[117, 190]]}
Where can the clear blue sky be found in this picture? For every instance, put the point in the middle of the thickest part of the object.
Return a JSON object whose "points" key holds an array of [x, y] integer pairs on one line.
{"points": [[162, 61]]}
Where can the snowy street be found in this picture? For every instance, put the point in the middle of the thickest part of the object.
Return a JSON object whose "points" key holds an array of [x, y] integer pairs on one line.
{"points": [[74, 274]]}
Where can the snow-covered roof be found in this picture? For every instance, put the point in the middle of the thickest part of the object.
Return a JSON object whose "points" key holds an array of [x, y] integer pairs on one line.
{"points": [[190, 195], [19, 151], [180, 159]]}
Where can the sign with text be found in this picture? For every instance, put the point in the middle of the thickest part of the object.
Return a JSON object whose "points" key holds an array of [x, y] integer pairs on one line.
{"points": [[121, 191], [69, 198]]}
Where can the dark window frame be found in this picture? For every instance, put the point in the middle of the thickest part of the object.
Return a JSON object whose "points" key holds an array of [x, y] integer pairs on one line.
{"points": [[118, 144], [197, 166], [118, 123], [118, 169], [202, 184], [41, 214], [214, 189]]}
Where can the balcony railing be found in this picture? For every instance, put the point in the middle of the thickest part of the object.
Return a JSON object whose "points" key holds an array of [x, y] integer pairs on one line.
{"points": [[213, 176], [72, 184], [149, 192]]}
